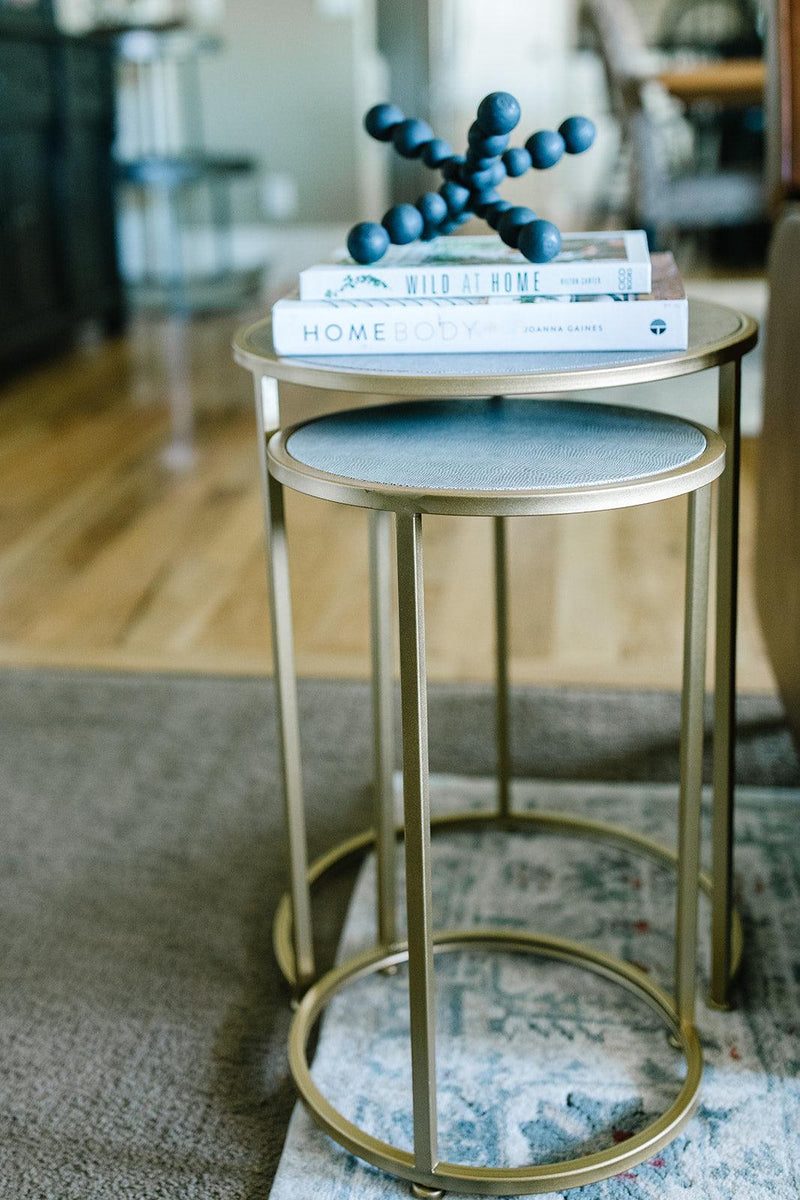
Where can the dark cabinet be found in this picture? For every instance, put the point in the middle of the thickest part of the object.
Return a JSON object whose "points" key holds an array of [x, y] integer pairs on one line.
{"points": [[30, 275], [85, 181], [58, 263]]}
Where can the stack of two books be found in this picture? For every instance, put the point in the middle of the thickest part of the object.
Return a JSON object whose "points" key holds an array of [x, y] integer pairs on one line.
{"points": [[462, 294]]}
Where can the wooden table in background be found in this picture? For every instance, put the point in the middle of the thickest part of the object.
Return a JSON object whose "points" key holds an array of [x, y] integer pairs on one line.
{"points": [[731, 81]]}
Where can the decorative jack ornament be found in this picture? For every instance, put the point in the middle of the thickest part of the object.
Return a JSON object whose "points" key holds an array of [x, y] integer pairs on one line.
{"points": [[470, 180]]}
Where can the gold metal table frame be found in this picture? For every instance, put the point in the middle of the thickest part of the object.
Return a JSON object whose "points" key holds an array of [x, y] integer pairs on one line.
{"points": [[424, 1167], [719, 338], [291, 389]]}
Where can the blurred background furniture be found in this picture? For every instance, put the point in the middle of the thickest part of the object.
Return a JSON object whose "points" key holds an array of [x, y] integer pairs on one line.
{"points": [[726, 28], [175, 203], [729, 81], [173, 187], [58, 265], [778, 542], [724, 94], [784, 95], [674, 180]]}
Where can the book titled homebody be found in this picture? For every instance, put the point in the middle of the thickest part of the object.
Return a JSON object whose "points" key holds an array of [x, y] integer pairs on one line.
{"points": [[658, 320], [464, 267]]}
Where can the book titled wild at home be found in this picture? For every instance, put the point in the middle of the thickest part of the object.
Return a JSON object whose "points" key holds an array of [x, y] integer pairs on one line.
{"points": [[465, 267], [658, 320]]}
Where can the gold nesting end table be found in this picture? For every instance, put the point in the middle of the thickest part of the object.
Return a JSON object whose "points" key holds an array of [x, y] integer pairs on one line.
{"points": [[292, 391]]}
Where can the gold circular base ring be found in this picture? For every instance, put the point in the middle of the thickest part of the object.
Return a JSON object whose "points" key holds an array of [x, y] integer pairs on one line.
{"points": [[498, 1181], [341, 855]]}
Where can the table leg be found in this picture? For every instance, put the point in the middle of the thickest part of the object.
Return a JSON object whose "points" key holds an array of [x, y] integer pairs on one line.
{"points": [[416, 803], [380, 557], [691, 755], [502, 720], [286, 702], [725, 684]]}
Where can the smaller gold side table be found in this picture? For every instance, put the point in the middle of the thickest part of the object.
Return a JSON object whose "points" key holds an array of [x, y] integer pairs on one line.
{"points": [[504, 458]]}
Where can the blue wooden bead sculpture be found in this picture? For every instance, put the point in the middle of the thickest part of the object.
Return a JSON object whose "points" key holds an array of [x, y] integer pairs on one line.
{"points": [[499, 112], [490, 177], [478, 162], [455, 197], [403, 223], [451, 167], [546, 147], [517, 161], [578, 134], [485, 201], [486, 144], [495, 213], [512, 222], [539, 241], [436, 152], [367, 242], [470, 180], [410, 136], [381, 121], [433, 208]]}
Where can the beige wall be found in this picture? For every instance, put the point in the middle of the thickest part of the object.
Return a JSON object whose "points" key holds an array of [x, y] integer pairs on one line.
{"points": [[289, 88]]}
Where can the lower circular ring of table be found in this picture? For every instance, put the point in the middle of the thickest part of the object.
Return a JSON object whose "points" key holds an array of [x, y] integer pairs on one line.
{"points": [[546, 1177], [342, 854]]}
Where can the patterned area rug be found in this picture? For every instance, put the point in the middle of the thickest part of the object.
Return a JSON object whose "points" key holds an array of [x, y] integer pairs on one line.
{"points": [[541, 1061]]}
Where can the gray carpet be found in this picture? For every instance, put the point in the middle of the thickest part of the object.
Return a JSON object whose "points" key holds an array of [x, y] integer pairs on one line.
{"points": [[142, 1024]]}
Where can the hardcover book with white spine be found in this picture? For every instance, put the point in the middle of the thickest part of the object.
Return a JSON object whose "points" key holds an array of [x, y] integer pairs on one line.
{"points": [[465, 267], [658, 320]]}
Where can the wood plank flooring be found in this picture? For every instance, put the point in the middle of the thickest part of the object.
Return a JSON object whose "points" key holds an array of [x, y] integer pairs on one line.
{"points": [[110, 558]]}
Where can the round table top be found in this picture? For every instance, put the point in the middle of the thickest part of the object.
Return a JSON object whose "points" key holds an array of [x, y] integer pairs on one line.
{"points": [[496, 455], [716, 335]]}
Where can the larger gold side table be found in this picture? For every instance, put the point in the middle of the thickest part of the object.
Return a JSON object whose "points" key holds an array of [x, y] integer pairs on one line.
{"points": [[288, 390]]}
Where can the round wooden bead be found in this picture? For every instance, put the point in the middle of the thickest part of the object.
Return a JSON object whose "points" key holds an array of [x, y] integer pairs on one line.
{"points": [[435, 152], [367, 242], [451, 167], [476, 163], [490, 178], [455, 197], [578, 134], [410, 136], [403, 223], [482, 202], [545, 148], [453, 223], [485, 144], [539, 241], [511, 223], [498, 113], [464, 177], [429, 232], [517, 161], [381, 120], [432, 207], [494, 214]]}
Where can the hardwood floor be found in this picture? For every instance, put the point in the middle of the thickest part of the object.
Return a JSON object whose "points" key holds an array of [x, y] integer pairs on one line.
{"points": [[111, 558]]}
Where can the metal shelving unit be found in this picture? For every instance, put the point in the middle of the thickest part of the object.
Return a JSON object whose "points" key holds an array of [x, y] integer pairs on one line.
{"points": [[175, 195]]}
